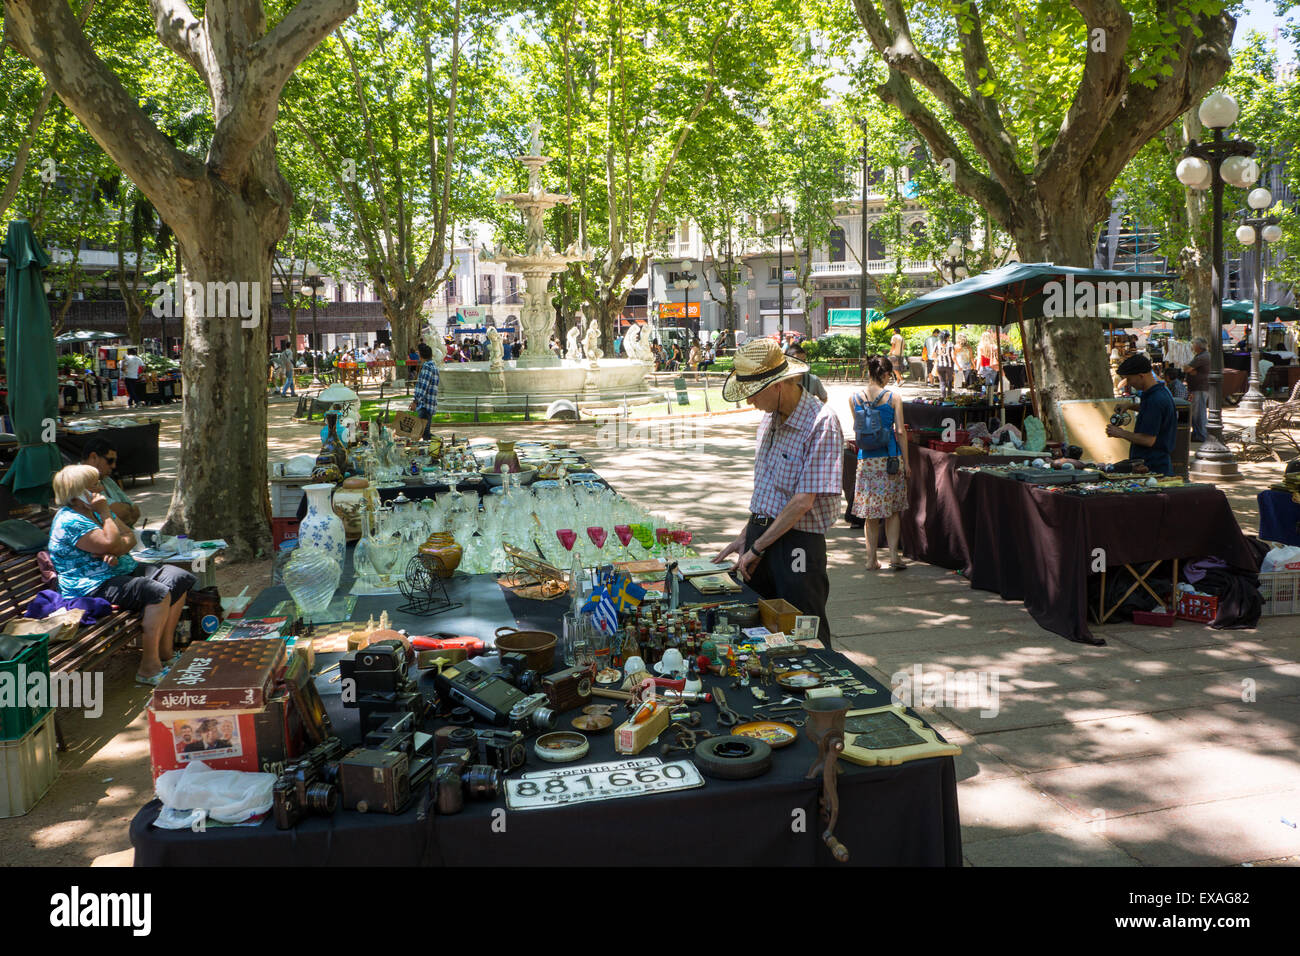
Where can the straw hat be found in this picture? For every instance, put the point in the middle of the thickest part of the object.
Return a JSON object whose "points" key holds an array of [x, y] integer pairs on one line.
{"points": [[758, 364]]}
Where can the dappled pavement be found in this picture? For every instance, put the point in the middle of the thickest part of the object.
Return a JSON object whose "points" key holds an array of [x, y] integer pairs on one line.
{"points": [[1148, 751]]}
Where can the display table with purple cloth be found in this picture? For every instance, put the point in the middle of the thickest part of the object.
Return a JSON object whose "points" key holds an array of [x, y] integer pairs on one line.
{"points": [[1279, 517], [889, 816], [1033, 545]]}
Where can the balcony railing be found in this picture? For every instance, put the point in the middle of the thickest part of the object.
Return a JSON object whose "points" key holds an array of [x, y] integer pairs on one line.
{"points": [[851, 267]]}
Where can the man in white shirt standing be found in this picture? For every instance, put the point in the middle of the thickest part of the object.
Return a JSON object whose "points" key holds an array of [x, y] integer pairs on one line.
{"points": [[131, 366]]}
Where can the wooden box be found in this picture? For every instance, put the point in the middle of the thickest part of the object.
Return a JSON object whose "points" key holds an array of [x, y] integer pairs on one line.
{"points": [[630, 738], [778, 615]]}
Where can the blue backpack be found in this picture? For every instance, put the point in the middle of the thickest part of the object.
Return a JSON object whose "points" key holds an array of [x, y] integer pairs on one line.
{"points": [[869, 427]]}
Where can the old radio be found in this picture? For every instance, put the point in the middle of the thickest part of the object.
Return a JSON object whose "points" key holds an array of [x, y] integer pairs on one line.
{"points": [[568, 689]]}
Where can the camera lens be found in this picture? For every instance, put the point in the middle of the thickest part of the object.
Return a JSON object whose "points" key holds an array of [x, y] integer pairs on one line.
{"points": [[321, 798], [482, 782], [461, 737], [517, 756], [544, 718]]}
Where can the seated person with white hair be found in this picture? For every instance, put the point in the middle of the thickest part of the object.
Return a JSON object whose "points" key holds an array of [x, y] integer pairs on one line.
{"points": [[90, 549]]}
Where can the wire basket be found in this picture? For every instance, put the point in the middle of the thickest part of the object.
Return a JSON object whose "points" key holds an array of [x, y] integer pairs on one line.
{"points": [[1281, 592]]}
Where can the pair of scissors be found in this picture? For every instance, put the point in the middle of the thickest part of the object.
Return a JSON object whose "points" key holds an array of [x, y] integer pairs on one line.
{"points": [[726, 716]]}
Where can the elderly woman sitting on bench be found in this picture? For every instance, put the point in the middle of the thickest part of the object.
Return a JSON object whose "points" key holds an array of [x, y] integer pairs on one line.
{"points": [[90, 549]]}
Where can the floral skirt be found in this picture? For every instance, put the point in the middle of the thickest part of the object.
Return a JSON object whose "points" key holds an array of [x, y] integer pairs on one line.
{"points": [[878, 494]]}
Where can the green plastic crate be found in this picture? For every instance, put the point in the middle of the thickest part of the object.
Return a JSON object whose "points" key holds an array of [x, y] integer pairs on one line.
{"points": [[35, 659]]}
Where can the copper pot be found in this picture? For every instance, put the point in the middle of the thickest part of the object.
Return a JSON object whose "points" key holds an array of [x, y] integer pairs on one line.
{"points": [[441, 554]]}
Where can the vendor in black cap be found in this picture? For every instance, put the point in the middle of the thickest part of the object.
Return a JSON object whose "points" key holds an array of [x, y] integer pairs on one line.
{"points": [[1152, 438]]}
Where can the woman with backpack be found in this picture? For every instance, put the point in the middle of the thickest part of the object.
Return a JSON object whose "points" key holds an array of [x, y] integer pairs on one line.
{"points": [[881, 492]]}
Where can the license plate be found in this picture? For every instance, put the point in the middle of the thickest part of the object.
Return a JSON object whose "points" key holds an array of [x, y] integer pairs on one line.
{"points": [[607, 781]]}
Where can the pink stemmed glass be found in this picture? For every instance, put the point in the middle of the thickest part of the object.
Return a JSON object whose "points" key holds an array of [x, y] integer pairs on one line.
{"points": [[624, 533], [683, 538], [567, 538]]}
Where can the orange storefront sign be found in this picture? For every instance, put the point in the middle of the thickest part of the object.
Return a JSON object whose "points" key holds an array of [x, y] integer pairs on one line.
{"points": [[676, 310]]}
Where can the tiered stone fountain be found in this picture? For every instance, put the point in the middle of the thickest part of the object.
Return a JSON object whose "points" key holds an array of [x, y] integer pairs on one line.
{"points": [[537, 377]]}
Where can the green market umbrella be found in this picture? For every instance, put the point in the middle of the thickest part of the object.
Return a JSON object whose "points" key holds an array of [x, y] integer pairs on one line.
{"points": [[1018, 291], [1244, 311], [1146, 308], [29, 361]]}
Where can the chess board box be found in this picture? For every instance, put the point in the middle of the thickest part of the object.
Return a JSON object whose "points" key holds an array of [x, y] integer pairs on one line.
{"points": [[225, 703]]}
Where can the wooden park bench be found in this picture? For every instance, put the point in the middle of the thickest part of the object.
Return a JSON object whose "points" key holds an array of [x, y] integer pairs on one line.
{"points": [[21, 581]]}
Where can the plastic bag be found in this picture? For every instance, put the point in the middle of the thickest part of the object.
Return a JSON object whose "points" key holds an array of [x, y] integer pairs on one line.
{"points": [[1281, 559], [227, 796]]}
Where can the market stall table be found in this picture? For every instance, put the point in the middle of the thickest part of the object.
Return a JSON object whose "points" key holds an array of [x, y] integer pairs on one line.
{"points": [[1037, 546], [900, 815], [928, 415], [1279, 517], [137, 447]]}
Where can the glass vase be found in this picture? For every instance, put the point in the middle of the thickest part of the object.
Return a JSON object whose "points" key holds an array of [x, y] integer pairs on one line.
{"points": [[311, 577]]}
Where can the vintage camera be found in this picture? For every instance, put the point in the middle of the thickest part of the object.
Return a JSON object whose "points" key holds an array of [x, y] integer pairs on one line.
{"points": [[515, 669], [306, 787], [1123, 418], [382, 684], [487, 695], [503, 749], [568, 689], [531, 715], [387, 771], [457, 777]]}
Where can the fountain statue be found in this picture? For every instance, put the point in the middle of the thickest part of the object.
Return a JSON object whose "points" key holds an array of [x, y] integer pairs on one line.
{"points": [[536, 376], [496, 353], [591, 343]]}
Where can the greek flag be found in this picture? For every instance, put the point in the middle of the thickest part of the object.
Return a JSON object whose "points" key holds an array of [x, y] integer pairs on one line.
{"points": [[601, 607]]}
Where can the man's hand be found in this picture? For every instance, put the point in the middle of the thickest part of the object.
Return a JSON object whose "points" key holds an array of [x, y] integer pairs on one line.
{"points": [[1114, 431], [736, 547], [747, 563]]}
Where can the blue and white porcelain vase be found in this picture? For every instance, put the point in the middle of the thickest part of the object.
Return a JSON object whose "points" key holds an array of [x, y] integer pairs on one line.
{"points": [[321, 527]]}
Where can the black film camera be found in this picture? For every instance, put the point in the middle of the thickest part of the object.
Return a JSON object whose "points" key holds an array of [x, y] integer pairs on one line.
{"points": [[387, 771], [457, 778], [307, 785], [503, 749], [514, 668], [381, 684]]}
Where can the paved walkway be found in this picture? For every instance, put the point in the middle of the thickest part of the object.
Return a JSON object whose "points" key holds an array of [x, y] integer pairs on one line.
{"points": [[1168, 746]]}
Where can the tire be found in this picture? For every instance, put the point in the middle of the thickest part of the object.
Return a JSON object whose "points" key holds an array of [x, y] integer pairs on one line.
{"points": [[733, 758]]}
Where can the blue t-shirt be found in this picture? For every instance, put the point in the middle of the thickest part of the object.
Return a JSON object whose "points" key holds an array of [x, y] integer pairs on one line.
{"points": [[80, 572], [885, 406], [1156, 416]]}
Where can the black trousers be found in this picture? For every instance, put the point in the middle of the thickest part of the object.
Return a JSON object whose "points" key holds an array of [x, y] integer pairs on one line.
{"points": [[794, 568]]}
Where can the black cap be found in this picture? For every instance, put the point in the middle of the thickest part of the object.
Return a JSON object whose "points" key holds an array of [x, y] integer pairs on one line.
{"points": [[1134, 365]]}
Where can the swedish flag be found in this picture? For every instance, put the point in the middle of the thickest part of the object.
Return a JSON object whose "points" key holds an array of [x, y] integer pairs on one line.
{"points": [[627, 594]]}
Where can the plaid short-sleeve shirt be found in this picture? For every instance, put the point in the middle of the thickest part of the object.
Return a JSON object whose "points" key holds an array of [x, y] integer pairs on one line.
{"points": [[802, 455]]}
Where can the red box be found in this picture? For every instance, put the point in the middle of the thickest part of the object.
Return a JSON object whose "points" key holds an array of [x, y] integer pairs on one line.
{"points": [[1203, 608], [1153, 618], [282, 529], [257, 742], [946, 447]]}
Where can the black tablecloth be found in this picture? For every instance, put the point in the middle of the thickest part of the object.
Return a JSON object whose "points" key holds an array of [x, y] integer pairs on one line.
{"points": [[1036, 546], [924, 415], [137, 448], [904, 815]]}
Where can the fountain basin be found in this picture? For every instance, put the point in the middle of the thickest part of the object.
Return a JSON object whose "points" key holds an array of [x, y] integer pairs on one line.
{"points": [[510, 386]]}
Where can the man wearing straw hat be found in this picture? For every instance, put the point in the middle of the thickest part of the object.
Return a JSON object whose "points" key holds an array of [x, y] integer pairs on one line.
{"points": [[797, 479]]}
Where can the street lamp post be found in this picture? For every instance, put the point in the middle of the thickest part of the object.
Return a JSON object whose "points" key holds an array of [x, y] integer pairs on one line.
{"points": [[311, 283], [686, 281], [956, 264], [1210, 166], [1266, 229]]}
